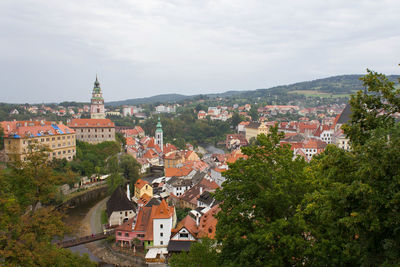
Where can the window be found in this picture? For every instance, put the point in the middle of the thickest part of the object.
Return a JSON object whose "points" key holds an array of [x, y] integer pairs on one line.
{"points": [[161, 226], [127, 234], [161, 243], [161, 234], [64, 152], [184, 235], [119, 233], [52, 139], [58, 138]]}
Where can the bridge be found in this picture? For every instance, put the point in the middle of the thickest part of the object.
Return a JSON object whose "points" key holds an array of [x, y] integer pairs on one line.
{"points": [[84, 239]]}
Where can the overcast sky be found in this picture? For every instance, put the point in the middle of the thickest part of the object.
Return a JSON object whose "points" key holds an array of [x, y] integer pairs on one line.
{"points": [[50, 51]]}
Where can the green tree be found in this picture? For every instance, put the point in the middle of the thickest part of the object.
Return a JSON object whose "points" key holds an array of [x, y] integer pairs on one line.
{"points": [[130, 169], [28, 222], [201, 254], [254, 113], [367, 107], [257, 224]]}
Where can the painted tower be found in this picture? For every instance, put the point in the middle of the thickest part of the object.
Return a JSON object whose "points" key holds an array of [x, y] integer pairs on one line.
{"points": [[159, 135], [97, 102]]}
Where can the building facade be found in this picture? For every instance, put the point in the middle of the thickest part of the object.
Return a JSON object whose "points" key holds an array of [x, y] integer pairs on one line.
{"points": [[93, 130], [22, 137]]}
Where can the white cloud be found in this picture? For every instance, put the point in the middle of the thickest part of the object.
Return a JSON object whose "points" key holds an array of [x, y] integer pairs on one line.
{"points": [[160, 46]]}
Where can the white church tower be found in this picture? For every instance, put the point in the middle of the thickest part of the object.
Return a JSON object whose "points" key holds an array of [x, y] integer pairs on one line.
{"points": [[97, 102], [159, 135]]}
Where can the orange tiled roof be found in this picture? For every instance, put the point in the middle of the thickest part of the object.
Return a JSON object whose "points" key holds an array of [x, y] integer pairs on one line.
{"points": [[183, 171], [163, 211], [144, 199], [189, 223], [140, 183], [84, 123], [208, 223]]}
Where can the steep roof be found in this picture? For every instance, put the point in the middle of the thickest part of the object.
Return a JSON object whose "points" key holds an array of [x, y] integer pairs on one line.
{"points": [[119, 202], [140, 183], [208, 223], [163, 211], [345, 116]]}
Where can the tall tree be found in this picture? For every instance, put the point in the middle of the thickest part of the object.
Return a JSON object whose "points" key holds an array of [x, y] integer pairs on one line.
{"points": [[28, 222], [201, 254], [372, 108], [257, 225]]}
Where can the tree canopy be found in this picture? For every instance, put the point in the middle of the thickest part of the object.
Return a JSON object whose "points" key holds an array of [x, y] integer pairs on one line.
{"points": [[341, 209], [29, 222]]}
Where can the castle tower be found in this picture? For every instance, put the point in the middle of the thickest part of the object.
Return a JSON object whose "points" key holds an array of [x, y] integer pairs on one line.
{"points": [[97, 102], [159, 135]]}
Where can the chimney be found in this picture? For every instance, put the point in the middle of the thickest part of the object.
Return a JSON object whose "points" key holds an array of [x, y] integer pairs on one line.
{"points": [[197, 219], [128, 195], [201, 190]]}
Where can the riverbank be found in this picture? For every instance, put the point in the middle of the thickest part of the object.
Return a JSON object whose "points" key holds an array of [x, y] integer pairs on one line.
{"points": [[91, 224]]}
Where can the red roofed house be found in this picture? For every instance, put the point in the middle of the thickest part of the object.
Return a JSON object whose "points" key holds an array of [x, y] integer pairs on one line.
{"points": [[153, 227], [93, 130], [190, 229], [143, 187], [312, 147]]}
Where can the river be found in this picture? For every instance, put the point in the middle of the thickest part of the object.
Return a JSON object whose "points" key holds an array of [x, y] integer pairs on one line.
{"points": [[73, 220]]}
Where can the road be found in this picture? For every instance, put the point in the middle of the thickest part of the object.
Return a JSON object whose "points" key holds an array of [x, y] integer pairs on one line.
{"points": [[92, 221]]}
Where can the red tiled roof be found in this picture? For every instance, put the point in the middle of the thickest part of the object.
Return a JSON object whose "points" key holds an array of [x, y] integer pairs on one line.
{"points": [[208, 223], [84, 123], [183, 171], [163, 211], [140, 183]]}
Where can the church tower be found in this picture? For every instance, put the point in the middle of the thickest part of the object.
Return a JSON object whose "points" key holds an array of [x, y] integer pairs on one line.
{"points": [[159, 135], [97, 102]]}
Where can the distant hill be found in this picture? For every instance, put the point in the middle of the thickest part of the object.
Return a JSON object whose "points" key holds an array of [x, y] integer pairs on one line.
{"points": [[335, 85], [148, 100]]}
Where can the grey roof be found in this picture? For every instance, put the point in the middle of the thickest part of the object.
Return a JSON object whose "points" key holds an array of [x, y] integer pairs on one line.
{"points": [[253, 125], [295, 138], [179, 245], [345, 116], [153, 202], [119, 202], [176, 181], [206, 198]]}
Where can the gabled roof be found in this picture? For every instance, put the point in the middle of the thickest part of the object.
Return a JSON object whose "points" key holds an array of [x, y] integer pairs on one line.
{"points": [[140, 183], [163, 211], [119, 202], [189, 224], [345, 116]]}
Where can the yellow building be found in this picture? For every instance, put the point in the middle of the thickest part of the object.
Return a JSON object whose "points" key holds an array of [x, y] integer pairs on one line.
{"points": [[256, 128], [142, 187], [174, 158], [20, 137]]}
